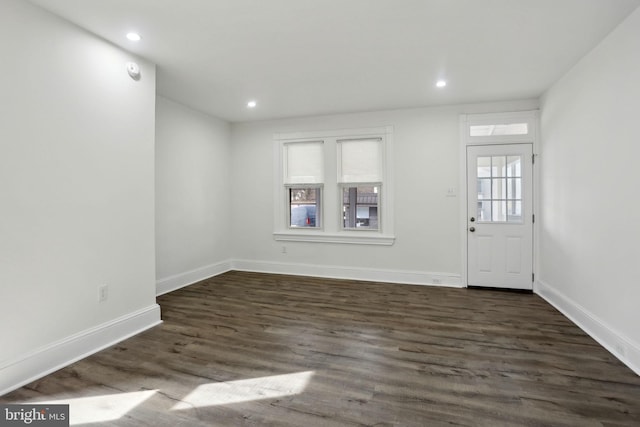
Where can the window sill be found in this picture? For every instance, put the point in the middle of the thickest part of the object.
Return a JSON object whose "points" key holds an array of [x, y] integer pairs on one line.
{"points": [[354, 238]]}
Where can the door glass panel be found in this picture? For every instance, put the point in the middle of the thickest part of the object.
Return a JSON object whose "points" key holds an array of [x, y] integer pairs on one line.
{"points": [[514, 188], [484, 167], [514, 211], [499, 189], [514, 166], [484, 211], [498, 166], [484, 188], [499, 211]]}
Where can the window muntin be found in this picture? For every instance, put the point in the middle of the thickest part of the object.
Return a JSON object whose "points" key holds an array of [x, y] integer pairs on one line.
{"points": [[361, 207], [305, 207], [499, 189]]}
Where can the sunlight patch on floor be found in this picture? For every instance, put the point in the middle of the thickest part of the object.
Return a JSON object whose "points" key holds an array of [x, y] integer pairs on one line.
{"points": [[108, 407], [245, 390]]}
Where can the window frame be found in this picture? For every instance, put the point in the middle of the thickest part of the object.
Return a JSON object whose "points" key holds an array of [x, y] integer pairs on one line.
{"points": [[319, 206], [331, 229], [468, 121], [344, 185]]}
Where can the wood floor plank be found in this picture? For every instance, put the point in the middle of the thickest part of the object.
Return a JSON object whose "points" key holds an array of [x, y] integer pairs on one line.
{"points": [[374, 354]]}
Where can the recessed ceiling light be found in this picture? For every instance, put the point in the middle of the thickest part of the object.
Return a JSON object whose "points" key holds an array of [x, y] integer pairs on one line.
{"points": [[441, 83], [134, 37], [252, 104]]}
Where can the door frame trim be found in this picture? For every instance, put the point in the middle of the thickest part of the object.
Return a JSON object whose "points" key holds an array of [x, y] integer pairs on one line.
{"points": [[532, 117]]}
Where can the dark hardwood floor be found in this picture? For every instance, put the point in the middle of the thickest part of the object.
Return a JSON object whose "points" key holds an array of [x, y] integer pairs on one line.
{"points": [[248, 349]]}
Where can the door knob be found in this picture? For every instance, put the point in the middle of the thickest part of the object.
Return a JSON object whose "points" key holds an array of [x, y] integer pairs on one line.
{"points": [[472, 229]]}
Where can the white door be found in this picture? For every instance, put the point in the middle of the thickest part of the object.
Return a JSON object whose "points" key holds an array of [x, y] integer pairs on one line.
{"points": [[500, 216]]}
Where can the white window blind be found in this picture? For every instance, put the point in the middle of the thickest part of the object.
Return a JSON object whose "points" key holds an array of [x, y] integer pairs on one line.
{"points": [[304, 162], [360, 160]]}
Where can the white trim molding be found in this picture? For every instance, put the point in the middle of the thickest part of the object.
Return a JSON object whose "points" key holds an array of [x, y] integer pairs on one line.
{"points": [[29, 367], [333, 133], [627, 351], [356, 238], [351, 273], [532, 118], [177, 281]]}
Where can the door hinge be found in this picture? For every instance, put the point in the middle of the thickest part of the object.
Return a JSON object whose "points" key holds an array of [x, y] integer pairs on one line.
{"points": [[533, 277], [533, 159], [533, 218]]}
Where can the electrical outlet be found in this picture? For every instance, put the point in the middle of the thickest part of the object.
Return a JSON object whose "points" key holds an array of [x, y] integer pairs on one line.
{"points": [[103, 293], [436, 281]]}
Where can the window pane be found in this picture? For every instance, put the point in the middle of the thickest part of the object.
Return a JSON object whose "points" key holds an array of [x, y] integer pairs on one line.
{"points": [[360, 206], [499, 129], [480, 130], [498, 166], [499, 211], [514, 166], [484, 189], [484, 211], [514, 211], [499, 190], [511, 129], [304, 205], [514, 188], [484, 167]]}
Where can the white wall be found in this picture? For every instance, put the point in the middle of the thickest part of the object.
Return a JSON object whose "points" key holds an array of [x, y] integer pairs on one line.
{"points": [[426, 151], [193, 218], [76, 187], [590, 235]]}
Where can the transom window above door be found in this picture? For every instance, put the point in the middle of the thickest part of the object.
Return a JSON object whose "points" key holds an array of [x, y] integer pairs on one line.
{"points": [[499, 130]]}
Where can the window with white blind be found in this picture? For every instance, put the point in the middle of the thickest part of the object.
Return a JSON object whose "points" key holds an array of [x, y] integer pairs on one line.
{"points": [[303, 179], [360, 176], [330, 186]]}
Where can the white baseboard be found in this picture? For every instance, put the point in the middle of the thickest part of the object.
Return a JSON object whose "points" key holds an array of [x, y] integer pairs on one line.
{"points": [[627, 351], [351, 273], [181, 280], [45, 360]]}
